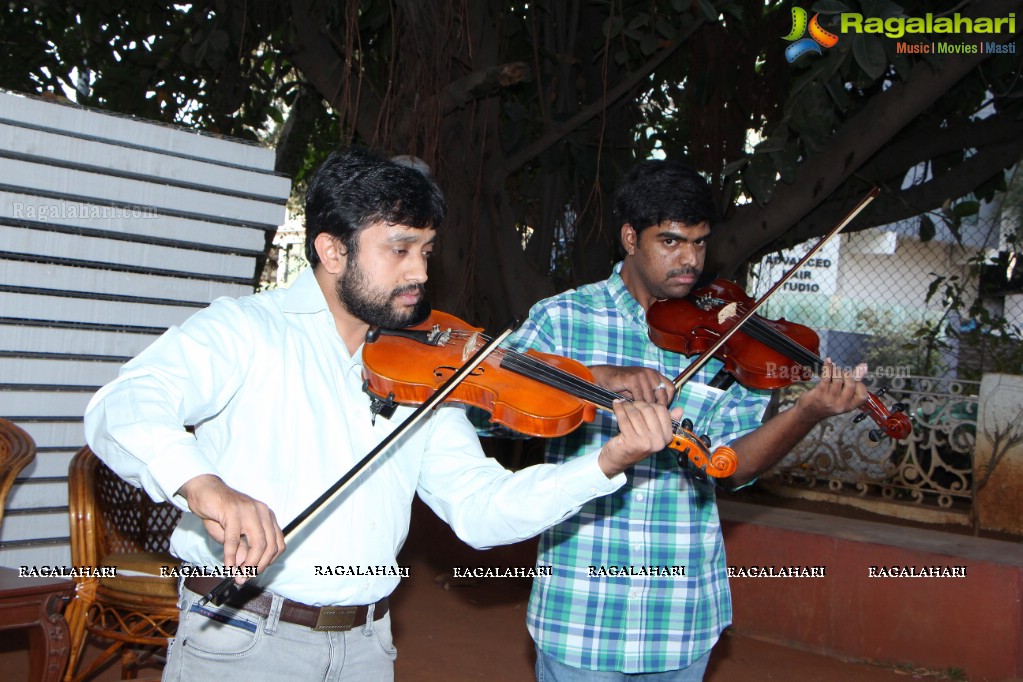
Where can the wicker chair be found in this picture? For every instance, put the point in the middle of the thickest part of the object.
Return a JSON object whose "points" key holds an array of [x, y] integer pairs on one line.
{"points": [[16, 450], [115, 524]]}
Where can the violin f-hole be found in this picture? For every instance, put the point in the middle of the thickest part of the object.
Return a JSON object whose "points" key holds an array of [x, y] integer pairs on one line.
{"points": [[448, 369]]}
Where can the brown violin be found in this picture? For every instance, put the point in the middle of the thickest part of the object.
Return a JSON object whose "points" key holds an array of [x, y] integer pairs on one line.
{"points": [[534, 393], [762, 354]]}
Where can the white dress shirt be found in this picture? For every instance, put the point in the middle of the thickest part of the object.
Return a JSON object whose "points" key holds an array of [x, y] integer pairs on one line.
{"points": [[279, 414]]}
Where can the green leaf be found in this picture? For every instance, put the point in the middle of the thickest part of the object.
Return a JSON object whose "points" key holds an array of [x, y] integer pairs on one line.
{"points": [[926, 230], [932, 288], [966, 208], [613, 26], [771, 144], [639, 22], [709, 10], [666, 29], [830, 6], [734, 166], [648, 45], [787, 161], [759, 178], [869, 54]]}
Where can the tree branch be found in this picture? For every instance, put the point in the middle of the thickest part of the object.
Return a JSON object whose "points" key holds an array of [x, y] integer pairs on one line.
{"points": [[480, 84], [855, 143], [626, 86], [895, 205], [316, 57]]}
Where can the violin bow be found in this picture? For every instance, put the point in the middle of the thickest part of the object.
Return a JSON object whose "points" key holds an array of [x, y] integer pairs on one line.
{"points": [[698, 364], [221, 592]]}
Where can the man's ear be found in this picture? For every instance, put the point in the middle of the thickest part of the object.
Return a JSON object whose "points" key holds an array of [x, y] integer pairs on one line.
{"points": [[629, 239], [332, 252]]}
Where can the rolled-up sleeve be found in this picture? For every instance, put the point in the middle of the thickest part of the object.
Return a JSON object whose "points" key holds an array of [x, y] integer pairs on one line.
{"points": [[137, 423], [488, 505]]}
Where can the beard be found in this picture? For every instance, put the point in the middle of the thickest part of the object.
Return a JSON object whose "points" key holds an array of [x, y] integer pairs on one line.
{"points": [[376, 307]]}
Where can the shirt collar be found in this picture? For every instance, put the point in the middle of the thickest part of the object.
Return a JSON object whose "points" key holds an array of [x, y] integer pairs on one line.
{"points": [[304, 295], [624, 301]]}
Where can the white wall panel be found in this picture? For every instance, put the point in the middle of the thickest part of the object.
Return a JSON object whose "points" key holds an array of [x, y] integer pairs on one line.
{"points": [[15, 370], [58, 308], [128, 192], [31, 526], [33, 494], [107, 224], [57, 245], [139, 222], [17, 338], [45, 555], [75, 120], [43, 403], [71, 279], [62, 149], [50, 464], [55, 434]]}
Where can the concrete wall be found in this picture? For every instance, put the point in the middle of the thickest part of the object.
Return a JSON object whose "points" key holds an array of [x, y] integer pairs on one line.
{"points": [[972, 622]]}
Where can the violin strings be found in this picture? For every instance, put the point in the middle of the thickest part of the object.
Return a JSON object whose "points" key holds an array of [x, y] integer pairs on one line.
{"points": [[544, 372], [769, 336]]}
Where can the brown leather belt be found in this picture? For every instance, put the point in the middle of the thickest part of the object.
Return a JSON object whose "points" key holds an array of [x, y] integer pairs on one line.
{"points": [[258, 601]]}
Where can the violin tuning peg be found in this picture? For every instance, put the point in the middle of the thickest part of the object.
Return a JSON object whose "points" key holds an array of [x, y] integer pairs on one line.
{"points": [[875, 435], [706, 440], [687, 424], [899, 407], [881, 391], [860, 417]]}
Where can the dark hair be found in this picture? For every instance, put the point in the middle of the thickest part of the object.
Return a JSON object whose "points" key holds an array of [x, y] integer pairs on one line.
{"points": [[355, 188], [655, 191]]}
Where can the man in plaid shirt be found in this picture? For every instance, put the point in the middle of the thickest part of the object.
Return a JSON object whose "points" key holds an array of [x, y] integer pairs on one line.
{"points": [[639, 581]]}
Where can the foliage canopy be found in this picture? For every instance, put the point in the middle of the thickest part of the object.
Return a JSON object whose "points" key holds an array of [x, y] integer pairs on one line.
{"points": [[529, 113]]}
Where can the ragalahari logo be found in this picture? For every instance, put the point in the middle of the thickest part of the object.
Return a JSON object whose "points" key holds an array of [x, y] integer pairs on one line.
{"points": [[818, 36]]}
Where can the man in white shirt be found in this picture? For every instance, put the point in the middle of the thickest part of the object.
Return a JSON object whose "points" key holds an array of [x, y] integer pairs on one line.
{"points": [[271, 386]]}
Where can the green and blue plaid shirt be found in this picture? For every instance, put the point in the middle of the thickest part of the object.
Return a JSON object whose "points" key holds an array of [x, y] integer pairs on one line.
{"points": [[594, 611]]}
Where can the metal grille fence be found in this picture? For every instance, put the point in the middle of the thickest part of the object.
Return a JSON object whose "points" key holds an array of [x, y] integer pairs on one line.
{"points": [[929, 317]]}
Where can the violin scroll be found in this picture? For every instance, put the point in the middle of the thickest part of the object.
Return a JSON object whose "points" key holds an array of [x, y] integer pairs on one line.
{"points": [[893, 423], [722, 463]]}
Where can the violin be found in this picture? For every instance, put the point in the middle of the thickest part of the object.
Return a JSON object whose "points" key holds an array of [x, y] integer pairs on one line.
{"points": [[762, 354], [537, 394]]}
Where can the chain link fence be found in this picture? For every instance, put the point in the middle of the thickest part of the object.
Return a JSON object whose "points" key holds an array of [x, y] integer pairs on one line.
{"points": [[930, 313]]}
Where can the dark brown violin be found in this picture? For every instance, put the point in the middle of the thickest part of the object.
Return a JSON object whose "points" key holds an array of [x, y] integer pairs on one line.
{"points": [[537, 394], [762, 354]]}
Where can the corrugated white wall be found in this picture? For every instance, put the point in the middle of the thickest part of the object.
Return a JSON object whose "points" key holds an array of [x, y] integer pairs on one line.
{"points": [[111, 230]]}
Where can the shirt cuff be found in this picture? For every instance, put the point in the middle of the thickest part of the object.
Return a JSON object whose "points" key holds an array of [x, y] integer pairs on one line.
{"points": [[173, 469], [582, 479]]}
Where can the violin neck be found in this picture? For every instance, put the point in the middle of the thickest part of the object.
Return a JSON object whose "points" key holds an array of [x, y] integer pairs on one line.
{"points": [[776, 341], [555, 377]]}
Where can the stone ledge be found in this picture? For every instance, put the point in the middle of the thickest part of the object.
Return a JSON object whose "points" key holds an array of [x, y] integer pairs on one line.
{"points": [[973, 622], [932, 541]]}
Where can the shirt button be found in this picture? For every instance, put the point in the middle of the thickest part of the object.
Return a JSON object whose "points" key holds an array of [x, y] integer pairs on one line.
{"points": [[639, 497]]}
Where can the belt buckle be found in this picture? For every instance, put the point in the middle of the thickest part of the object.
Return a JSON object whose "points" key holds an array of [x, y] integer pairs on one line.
{"points": [[336, 618]]}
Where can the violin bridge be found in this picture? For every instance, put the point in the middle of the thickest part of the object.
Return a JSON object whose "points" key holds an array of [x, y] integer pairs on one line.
{"points": [[471, 346], [727, 312]]}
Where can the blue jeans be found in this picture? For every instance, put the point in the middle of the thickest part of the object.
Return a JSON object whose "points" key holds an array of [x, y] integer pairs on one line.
{"points": [[237, 645], [550, 670]]}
